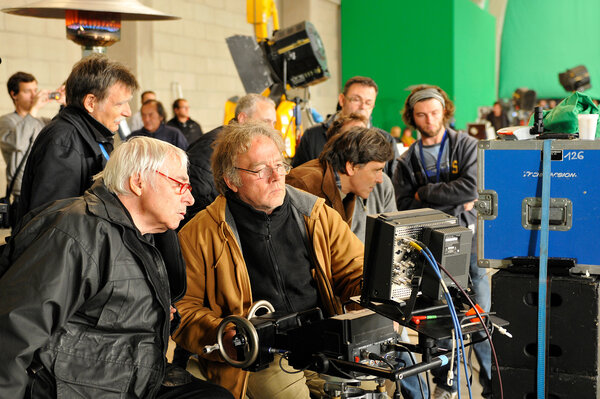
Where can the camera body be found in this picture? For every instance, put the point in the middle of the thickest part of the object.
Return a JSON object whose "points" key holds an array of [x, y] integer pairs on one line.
{"points": [[55, 95]]}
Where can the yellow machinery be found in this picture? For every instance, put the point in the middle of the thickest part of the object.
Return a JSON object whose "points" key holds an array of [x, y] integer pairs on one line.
{"points": [[293, 57], [258, 13]]}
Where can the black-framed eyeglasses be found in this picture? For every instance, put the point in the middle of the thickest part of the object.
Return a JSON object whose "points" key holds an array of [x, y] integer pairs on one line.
{"points": [[182, 186], [267, 171]]}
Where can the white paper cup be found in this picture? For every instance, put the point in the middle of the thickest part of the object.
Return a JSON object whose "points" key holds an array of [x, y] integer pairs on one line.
{"points": [[587, 126]]}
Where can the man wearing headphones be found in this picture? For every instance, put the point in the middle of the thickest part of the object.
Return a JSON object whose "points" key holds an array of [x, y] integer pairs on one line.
{"points": [[439, 171]]}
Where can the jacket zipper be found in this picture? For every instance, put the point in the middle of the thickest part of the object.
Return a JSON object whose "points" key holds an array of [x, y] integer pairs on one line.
{"points": [[276, 269]]}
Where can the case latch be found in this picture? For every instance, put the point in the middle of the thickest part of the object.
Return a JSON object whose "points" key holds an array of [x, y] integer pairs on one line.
{"points": [[487, 204]]}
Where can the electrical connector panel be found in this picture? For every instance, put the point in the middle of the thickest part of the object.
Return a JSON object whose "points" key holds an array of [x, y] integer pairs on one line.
{"points": [[393, 269]]}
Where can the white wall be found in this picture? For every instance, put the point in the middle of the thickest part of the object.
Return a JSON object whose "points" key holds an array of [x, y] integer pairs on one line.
{"points": [[190, 52]]}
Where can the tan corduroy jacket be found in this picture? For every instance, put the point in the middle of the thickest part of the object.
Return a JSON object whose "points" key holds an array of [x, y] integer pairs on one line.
{"points": [[218, 284]]}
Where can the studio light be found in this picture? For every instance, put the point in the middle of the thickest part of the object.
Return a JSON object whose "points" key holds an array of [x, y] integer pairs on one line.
{"points": [[575, 79]]}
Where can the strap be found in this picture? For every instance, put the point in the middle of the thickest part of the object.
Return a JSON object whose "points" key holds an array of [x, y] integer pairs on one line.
{"points": [[543, 275], [19, 167]]}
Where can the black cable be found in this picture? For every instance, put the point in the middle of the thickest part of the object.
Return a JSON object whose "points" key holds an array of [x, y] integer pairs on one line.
{"points": [[414, 361], [382, 359], [375, 356], [470, 352], [428, 385], [335, 366], [290, 372]]}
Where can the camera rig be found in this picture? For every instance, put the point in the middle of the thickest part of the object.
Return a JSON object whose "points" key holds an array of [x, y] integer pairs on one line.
{"points": [[347, 348], [397, 286]]}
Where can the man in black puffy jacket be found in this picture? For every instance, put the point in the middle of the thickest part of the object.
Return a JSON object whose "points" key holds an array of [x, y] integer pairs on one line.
{"points": [[78, 142], [87, 289]]}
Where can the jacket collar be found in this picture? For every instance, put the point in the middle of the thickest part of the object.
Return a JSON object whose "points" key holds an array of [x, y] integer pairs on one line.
{"points": [[89, 129], [305, 203], [106, 205], [161, 127], [333, 193], [84, 121]]}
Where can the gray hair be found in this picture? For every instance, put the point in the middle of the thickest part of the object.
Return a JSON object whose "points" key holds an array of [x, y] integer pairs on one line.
{"points": [[233, 140], [247, 104], [139, 155]]}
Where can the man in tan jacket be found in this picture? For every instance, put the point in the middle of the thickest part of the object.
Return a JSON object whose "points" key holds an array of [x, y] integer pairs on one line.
{"points": [[261, 239]]}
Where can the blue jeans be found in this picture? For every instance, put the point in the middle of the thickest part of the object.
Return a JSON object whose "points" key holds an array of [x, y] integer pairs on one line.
{"points": [[483, 351], [410, 386]]}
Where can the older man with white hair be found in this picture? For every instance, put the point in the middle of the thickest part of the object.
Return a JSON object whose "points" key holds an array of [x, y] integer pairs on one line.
{"points": [[87, 289]]}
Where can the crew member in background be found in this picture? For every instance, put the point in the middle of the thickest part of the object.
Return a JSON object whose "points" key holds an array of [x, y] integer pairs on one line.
{"points": [[359, 95], [396, 132], [498, 117], [135, 122], [250, 108], [182, 121], [154, 116], [20, 128], [439, 171], [407, 137]]}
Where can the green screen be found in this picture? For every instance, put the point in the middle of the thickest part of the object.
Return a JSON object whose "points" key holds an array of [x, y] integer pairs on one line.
{"points": [[400, 44], [542, 38]]}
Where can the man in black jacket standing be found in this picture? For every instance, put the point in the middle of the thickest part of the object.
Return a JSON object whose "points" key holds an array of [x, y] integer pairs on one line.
{"points": [[250, 108], [358, 96], [77, 143], [86, 291], [182, 121]]}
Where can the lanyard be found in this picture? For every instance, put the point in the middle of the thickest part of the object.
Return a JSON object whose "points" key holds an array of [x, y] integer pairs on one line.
{"points": [[106, 156], [439, 157]]}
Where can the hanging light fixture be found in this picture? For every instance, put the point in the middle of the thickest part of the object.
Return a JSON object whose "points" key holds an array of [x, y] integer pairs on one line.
{"points": [[93, 24]]}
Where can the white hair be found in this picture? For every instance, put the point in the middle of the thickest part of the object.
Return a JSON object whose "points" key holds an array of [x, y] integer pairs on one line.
{"points": [[139, 155]]}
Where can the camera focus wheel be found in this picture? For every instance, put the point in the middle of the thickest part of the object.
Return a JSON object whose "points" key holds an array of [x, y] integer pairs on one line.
{"points": [[247, 333]]}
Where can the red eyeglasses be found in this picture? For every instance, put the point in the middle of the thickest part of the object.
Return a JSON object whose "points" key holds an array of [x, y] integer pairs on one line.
{"points": [[182, 186]]}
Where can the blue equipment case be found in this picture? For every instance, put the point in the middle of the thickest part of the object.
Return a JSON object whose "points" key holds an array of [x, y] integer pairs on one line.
{"points": [[509, 181]]}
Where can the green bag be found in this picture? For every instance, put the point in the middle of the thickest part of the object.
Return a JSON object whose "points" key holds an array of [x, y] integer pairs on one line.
{"points": [[563, 117]]}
